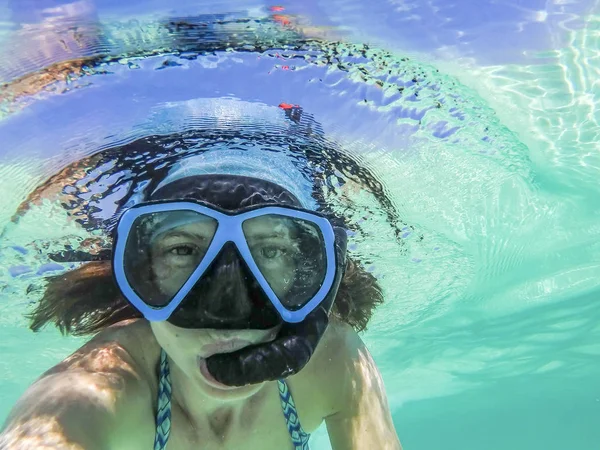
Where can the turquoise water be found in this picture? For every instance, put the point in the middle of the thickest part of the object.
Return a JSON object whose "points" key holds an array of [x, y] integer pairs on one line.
{"points": [[481, 220]]}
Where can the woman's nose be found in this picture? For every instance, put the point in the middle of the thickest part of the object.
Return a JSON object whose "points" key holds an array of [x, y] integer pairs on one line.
{"points": [[227, 297]]}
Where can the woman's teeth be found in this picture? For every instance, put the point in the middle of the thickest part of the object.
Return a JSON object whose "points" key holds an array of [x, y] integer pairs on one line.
{"points": [[231, 345], [223, 347]]}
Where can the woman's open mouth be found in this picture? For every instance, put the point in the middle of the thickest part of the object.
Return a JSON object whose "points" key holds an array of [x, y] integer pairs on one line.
{"points": [[209, 378], [224, 346]]}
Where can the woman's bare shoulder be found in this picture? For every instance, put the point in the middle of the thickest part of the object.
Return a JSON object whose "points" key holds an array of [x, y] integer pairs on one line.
{"points": [[339, 343], [99, 388], [126, 348], [319, 386]]}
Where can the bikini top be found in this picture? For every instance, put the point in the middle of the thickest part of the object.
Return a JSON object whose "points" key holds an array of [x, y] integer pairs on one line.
{"points": [[163, 416]]}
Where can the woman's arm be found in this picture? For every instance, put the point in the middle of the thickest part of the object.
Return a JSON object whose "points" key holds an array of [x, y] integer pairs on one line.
{"points": [[81, 404], [362, 419]]}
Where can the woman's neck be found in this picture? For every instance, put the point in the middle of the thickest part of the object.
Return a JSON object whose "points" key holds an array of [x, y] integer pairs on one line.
{"points": [[215, 412]]}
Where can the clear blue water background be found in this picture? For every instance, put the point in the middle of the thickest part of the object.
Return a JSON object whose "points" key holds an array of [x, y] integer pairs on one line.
{"points": [[490, 335]]}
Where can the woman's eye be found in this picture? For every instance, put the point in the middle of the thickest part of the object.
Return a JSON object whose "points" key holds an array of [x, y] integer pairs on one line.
{"points": [[182, 250], [272, 252]]}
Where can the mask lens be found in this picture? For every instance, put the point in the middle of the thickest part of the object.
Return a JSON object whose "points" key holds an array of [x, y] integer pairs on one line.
{"points": [[290, 254], [162, 251]]}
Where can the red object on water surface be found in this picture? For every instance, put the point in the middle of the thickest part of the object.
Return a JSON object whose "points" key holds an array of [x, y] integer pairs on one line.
{"points": [[282, 19], [292, 112]]}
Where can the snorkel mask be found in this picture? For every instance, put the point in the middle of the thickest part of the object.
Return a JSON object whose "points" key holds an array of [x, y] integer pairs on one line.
{"points": [[233, 252]]}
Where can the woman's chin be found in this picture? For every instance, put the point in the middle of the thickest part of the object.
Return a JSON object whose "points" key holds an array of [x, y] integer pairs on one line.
{"points": [[231, 345]]}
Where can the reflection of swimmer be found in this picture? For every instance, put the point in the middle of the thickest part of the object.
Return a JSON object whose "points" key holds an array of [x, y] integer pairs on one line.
{"points": [[246, 298]]}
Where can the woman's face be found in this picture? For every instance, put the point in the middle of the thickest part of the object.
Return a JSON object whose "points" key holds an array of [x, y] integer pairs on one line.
{"points": [[175, 254]]}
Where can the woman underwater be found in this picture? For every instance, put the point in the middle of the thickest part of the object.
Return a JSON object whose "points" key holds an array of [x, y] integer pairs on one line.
{"points": [[227, 318]]}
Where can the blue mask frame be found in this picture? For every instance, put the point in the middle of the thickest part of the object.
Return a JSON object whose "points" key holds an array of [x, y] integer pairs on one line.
{"points": [[229, 229]]}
